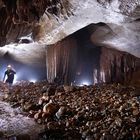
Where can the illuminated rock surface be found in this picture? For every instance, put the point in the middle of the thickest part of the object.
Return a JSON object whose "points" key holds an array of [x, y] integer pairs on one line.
{"points": [[50, 21]]}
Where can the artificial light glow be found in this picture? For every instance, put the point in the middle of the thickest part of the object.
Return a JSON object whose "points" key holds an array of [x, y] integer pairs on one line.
{"points": [[85, 83], [33, 80], [9, 66]]}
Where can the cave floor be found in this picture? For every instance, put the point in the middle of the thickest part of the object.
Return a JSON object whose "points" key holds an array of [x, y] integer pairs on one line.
{"points": [[13, 123]]}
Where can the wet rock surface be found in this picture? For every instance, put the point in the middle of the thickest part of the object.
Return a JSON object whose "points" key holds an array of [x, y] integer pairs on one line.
{"points": [[104, 112]]}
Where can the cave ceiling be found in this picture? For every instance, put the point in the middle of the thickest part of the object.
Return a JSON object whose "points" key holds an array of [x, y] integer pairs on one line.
{"points": [[49, 21]]}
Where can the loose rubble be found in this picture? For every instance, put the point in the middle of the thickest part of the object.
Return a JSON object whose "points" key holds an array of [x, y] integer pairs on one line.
{"points": [[14, 125], [100, 112]]}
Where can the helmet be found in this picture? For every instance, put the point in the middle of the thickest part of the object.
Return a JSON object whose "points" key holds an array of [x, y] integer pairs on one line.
{"points": [[9, 66]]}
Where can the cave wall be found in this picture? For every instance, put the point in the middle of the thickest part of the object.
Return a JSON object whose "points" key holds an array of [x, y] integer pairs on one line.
{"points": [[76, 59], [22, 17]]}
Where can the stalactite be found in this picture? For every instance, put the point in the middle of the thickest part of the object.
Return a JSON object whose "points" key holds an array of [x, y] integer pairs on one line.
{"points": [[120, 64], [60, 58], [75, 60]]}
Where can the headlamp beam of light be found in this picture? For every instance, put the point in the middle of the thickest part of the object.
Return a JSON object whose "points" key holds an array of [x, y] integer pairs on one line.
{"points": [[85, 83], [9, 66], [32, 80]]}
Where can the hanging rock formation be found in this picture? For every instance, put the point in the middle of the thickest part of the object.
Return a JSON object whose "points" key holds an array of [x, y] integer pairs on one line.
{"points": [[116, 66], [76, 59], [61, 61]]}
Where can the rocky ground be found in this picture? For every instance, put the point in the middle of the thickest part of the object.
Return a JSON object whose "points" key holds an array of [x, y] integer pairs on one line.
{"points": [[100, 112], [14, 124]]}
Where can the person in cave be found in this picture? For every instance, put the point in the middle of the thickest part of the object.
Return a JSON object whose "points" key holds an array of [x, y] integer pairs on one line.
{"points": [[10, 75]]}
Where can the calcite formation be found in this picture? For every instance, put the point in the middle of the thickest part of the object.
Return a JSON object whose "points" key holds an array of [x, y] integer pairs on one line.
{"points": [[76, 59]]}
